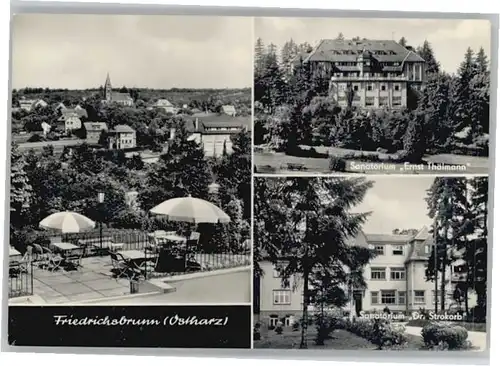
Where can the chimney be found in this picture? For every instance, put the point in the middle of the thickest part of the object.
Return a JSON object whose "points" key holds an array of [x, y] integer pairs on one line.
{"points": [[172, 133]]}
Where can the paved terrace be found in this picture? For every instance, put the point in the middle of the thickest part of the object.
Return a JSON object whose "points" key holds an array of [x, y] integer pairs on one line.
{"points": [[94, 280]]}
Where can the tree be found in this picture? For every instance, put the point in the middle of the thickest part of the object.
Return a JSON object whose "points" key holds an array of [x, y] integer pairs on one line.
{"points": [[414, 141], [20, 188], [340, 36], [447, 204], [299, 219], [403, 42], [173, 175], [427, 53]]}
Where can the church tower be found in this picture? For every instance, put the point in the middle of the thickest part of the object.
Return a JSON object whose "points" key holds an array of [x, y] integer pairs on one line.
{"points": [[107, 89]]}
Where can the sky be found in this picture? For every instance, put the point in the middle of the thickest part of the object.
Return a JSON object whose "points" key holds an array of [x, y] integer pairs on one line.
{"points": [[77, 51], [448, 37], [396, 203]]}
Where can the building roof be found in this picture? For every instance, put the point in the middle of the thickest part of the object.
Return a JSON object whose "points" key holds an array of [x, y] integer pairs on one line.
{"points": [[229, 109], [388, 238], [116, 97], [123, 129], [223, 122], [95, 126], [80, 112], [333, 50], [163, 103]]}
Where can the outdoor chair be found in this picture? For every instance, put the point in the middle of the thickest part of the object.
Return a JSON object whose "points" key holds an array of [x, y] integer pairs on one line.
{"points": [[123, 267], [40, 255], [54, 260], [74, 259]]}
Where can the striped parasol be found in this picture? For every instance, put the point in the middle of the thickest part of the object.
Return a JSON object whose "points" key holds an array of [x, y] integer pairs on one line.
{"points": [[67, 222]]}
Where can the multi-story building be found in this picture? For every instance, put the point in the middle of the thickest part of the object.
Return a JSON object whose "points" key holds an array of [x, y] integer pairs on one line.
{"points": [[366, 73], [214, 131], [395, 279], [124, 137]]}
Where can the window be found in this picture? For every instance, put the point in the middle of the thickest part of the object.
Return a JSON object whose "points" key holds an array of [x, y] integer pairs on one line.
{"points": [[401, 297], [374, 297], [379, 249], [397, 250], [281, 297], [396, 101], [384, 101], [287, 321], [419, 297], [458, 269], [341, 87], [278, 267], [356, 87], [369, 87], [382, 87], [397, 274], [427, 249], [273, 320], [388, 296], [378, 273], [369, 101], [396, 87]]}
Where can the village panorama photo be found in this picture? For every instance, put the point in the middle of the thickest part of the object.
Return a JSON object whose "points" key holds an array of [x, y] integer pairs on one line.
{"points": [[130, 160]]}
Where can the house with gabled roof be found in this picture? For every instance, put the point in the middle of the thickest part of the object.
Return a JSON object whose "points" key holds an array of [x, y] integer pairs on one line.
{"points": [[230, 110], [31, 104], [165, 105], [94, 131]]}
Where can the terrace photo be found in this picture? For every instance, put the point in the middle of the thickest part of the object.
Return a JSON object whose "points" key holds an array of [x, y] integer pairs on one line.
{"points": [[389, 263], [371, 96], [130, 160]]}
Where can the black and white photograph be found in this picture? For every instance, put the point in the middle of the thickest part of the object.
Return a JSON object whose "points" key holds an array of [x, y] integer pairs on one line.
{"points": [[373, 263], [371, 96], [130, 160]]}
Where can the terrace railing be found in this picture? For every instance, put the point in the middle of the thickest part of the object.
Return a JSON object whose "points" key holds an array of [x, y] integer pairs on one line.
{"points": [[171, 259], [20, 279]]}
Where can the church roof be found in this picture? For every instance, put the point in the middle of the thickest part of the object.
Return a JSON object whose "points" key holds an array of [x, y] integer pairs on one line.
{"points": [[116, 96]]}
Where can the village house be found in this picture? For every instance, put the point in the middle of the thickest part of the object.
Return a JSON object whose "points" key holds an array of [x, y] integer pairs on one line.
{"points": [[115, 97], [94, 131], [77, 111], [229, 110], [30, 104], [214, 131], [70, 121], [395, 279], [165, 105], [366, 73], [60, 107], [123, 137]]}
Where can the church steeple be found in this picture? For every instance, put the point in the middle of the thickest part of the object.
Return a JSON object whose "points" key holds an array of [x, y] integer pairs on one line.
{"points": [[107, 89]]}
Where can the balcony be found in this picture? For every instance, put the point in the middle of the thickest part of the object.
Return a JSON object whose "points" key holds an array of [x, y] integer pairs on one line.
{"points": [[370, 78]]}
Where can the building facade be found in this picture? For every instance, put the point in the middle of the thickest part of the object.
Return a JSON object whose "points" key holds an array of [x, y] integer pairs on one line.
{"points": [[114, 97], [395, 279], [94, 131], [124, 137], [72, 122], [367, 73]]}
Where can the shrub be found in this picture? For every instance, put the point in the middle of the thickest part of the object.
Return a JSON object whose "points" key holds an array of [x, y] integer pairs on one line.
{"points": [[338, 323], [443, 336], [279, 329], [337, 164], [256, 335], [380, 332], [295, 326]]}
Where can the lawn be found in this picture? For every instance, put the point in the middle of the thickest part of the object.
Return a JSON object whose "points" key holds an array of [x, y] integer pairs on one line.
{"points": [[268, 162], [289, 339]]}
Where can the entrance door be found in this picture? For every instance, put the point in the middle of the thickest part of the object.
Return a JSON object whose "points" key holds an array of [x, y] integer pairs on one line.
{"points": [[358, 302]]}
